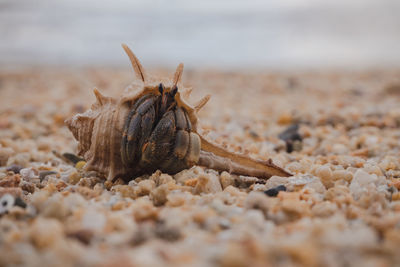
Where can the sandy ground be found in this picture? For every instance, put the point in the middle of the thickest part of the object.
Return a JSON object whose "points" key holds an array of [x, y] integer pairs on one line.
{"points": [[341, 207]]}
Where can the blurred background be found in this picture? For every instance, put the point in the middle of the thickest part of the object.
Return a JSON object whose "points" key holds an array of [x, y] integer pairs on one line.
{"points": [[226, 34]]}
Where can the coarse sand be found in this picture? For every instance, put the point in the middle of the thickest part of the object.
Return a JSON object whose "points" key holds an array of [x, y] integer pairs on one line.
{"points": [[341, 207]]}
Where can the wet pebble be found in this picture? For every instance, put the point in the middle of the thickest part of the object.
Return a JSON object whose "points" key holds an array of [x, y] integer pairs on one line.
{"points": [[273, 192]]}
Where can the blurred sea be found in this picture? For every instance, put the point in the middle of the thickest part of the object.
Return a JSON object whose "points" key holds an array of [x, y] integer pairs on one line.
{"points": [[225, 33]]}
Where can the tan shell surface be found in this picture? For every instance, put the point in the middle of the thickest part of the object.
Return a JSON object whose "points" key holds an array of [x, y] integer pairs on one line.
{"points": [[99, 132]]}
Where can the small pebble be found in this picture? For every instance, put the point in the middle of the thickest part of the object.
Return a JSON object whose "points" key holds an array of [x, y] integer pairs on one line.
{"points": [[28, 174], [292, 138], [27, 186], [79, 165], [72, 158], [7, 201], [74, 177], [83, 235], [170, 234], [14, 168], [392, 89], [5, 154], [273, 192], [20, 203], [10, 181], [396, 196], [43, 174]]}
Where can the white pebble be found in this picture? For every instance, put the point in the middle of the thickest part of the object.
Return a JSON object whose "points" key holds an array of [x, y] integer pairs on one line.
{"points": [[339, 149], [361, 181], [27, 173], [93, 220]]}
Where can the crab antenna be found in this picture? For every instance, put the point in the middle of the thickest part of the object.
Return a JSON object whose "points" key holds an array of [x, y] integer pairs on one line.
{"points": [[139, 71], [202, 102], [177, 75]]}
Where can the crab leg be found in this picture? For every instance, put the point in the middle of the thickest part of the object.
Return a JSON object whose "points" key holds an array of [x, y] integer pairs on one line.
{"points": [[217, 158]]}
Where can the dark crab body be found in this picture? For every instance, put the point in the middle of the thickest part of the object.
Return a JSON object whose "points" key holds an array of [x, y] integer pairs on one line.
{"points": [[153, 127], [158, 135]]}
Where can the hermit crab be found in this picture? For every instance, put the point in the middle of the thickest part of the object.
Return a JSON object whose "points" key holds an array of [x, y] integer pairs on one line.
{"points": [[153, 127]]}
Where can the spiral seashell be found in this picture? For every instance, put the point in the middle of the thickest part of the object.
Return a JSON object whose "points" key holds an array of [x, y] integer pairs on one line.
{"points": [[152, 126]]}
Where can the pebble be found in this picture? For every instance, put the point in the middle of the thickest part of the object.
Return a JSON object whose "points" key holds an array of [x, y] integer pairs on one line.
{"points": [[14, 168], [325, 174], [273, 192], [83, 235], [6, 203], [80, 164], [339, 149], [169, 234], [93, 220], [275, 181], [324, 209], [159, 195], [21, 159], [226, 179], [342, 175], [74, 177], [208, 183], [43, 174], [144, 187], [10, 181], [27, 186], [360, 182], [5, 154], [72, 158], [45, 233], [19, 202], [396, 196], [292, 138], [28, 174], [285, 118], [295, 167]]}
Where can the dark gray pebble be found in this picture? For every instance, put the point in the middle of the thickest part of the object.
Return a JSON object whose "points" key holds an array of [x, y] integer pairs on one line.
{"points": [[14, 168], [273, 192], [291, 137], [20, 203], [72, 157]]}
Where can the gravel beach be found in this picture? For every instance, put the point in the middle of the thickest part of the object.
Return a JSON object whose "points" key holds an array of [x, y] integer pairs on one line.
{"points": [[337, 132]]}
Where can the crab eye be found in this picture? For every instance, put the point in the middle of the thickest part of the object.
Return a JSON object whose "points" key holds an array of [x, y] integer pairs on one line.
{"points": [[6, 202]]}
